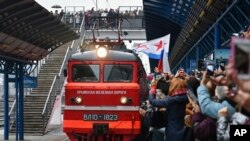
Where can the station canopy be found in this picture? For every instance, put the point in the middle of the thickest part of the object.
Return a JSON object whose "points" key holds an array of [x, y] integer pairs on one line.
{"points": [[184, 20], [165, 16], [30, 32]]}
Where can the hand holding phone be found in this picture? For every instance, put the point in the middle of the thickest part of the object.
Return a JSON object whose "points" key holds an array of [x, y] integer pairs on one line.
{"points": [[210, 69], [241, 56]]}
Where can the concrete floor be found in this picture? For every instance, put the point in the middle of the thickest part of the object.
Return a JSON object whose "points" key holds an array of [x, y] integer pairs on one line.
{"points": [[55, 133]]}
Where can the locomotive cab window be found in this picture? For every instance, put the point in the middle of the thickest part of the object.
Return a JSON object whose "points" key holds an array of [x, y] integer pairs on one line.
{"points": [[86, 73], [118, 73]]}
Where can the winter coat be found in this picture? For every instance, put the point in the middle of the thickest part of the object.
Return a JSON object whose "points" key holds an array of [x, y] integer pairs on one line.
{"points": [[175, 115], [204, 127], [210, 107], [223, 125]]}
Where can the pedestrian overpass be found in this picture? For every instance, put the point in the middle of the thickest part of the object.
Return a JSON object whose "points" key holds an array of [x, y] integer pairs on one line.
{"points": [[113, 34]]}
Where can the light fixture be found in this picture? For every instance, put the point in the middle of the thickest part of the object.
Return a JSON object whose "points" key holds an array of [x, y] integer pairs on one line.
{"points": [[209, 2], [76, 100], [125, 100], [21, 50], [102, 52], [4, 45], [202, 14], [33, 54]]}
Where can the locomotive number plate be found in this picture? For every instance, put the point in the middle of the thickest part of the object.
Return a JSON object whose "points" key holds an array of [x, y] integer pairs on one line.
{"points": [[109, 117]]}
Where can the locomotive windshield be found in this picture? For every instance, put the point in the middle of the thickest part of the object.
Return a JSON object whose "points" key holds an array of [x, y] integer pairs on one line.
{"points": [[118, 73], [86, 73]]}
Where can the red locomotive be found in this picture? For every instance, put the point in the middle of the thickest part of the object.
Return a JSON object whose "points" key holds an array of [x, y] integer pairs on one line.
{"points": [[103, 94]]}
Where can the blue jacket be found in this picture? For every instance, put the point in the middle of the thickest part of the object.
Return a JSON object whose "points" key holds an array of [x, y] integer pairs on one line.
{"points": [[210, 107], [176, 106]]}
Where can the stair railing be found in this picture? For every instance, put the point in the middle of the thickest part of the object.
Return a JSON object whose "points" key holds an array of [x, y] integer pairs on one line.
{"points": [[47, 109], [12, 112], [58, 82], [12, 115]]}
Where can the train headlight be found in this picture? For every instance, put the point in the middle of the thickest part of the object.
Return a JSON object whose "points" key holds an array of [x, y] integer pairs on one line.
{"points": [[125, 100], [102, 52], [76, 100]]}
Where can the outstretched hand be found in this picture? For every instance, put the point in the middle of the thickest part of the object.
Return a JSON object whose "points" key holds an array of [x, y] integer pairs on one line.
{"points": [[204, 79]]}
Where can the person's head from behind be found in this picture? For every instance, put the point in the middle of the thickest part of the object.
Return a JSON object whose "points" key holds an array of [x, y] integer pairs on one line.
{"points": [[193, 83], [219, 71], [165, 75], [181, 72], [156, 70]]}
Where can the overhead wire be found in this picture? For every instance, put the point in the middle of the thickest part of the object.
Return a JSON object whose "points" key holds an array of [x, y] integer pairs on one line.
{"points": [[108, 3], [94, 2]]}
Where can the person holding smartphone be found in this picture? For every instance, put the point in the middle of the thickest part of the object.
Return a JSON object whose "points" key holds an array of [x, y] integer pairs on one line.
{"points": [[208, 106]]}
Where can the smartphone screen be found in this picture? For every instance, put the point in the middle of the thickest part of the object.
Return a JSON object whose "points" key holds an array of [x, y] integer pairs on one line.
{"points": [[241, 58], [201, 65], [210, 69]]}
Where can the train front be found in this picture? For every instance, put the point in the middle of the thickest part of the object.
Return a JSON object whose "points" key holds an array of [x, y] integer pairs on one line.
{"points": [[102, 97]]}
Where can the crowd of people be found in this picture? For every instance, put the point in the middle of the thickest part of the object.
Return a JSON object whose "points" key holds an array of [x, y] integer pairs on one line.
{"points": [[108, 18], [200, 106]]}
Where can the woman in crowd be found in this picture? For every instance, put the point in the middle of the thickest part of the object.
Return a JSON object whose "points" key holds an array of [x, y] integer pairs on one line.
{"points": [[175, 101]]}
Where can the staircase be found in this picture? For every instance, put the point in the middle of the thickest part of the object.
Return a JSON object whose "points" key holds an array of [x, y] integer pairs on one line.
{"points": [[11, 100], [34, 122]]}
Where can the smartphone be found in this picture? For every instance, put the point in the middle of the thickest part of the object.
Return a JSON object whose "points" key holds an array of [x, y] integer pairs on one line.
{"points": [[201, 65], [241, 57], [210, 69]]}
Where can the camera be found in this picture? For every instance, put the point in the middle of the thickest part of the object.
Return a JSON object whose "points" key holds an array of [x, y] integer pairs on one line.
{"points": [[144, 105], [240, 50], [204, 65]]}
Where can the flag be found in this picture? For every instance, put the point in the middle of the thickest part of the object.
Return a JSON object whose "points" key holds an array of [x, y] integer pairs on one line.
{"points": [[160, 63], [163, 64], [153, 48]]}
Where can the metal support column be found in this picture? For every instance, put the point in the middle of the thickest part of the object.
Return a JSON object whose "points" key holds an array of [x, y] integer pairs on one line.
{"points": [[17, 101], [217, 40], [187, 64], [6, 102], [21, 124], [197, 53]]}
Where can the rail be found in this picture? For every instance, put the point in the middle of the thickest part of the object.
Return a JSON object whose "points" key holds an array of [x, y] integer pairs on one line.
{"points": [[36, 70], [57, 84], [12, 114], [105, 22], [49, 103]]}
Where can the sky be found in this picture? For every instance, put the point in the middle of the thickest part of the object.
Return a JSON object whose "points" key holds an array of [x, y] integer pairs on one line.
{"points": [[88, 4]]}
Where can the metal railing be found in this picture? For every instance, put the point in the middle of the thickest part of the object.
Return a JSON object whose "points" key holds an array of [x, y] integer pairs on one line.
{"points": [[105, 22], [12, 112], [58, 83], [12, 115], [47, 109]]}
